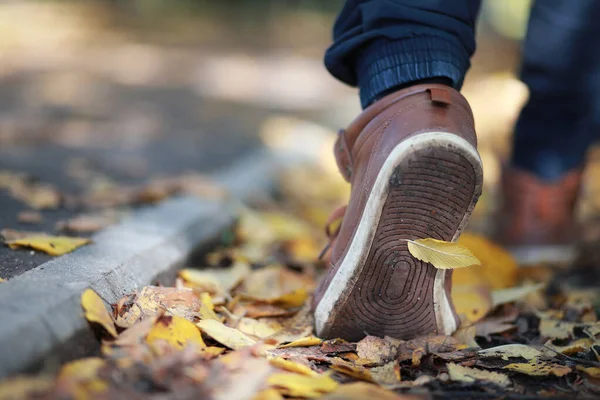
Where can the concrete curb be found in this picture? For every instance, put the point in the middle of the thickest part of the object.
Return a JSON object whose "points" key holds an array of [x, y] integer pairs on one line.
{"points": [[41, 320]]}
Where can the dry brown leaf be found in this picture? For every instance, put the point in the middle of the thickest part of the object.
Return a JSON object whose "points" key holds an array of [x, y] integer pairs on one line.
{"points": [[30, 217], [229, 337], [12, 234], [441, 254], [86, 223], [377, 350], [154, 299], [416, 348], [95, 311], [469, 375], [53, 245], [36, 196]]}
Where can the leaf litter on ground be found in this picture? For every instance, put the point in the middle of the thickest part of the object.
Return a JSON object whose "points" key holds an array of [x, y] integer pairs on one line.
{"points": [[240, 326]]}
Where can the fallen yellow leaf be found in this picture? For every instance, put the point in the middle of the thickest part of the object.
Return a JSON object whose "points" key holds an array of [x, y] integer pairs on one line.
{"points": [[258, 328], [511, 351], [290, 300], [593, 372], [354, 371], [225, 335], [365, 391], [23, 387], [474, 302], [2, 280], [304, 342], [296, 385], [292, 366], [509, 295], [268, 394], [554, 329], [217, 280], [539, 368], [441, 254], [498, 268], [569, 349], [53, 245], [207, 307], [176, 331], [459, 373], [96, 312], [80, 378], [386, 374]]}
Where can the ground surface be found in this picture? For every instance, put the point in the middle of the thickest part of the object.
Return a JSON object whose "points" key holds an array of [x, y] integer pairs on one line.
{"points": [[240, 327]]}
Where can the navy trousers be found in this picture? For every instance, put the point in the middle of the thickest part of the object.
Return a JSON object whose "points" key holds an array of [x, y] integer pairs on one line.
{"points": [[381, 45]]}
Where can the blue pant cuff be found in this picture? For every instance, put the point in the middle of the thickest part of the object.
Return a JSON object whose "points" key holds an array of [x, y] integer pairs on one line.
{"points": [[386, 64]]}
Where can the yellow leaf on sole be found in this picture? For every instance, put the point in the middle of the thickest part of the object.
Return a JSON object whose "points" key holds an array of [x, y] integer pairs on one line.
{"points": [[441, 254], [53, 245], [296, 385], [95, 311], [225, 335], [176, 331]]}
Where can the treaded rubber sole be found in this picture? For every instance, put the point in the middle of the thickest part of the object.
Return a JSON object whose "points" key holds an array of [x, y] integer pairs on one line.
{"points": [[430, 193]]}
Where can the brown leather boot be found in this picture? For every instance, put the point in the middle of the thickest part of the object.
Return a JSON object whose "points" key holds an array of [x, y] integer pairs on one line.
{"points": [[536, 219], [412, 161]]}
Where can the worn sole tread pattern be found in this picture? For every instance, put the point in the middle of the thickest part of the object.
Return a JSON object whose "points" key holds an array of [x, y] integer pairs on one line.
{"points": [[392, 295]]}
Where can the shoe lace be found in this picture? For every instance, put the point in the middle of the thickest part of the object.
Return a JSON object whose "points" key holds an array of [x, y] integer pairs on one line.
{"points": [[335, 216]]}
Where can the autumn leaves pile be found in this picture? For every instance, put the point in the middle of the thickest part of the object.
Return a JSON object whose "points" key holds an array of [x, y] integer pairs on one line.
{"points": [[241, 328]]}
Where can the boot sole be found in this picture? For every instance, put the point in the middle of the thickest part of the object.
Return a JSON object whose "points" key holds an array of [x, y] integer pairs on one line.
{"points": [[427, 187]]}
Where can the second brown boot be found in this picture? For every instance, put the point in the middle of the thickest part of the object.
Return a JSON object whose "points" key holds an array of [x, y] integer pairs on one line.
{"points": [[536, 219]]}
